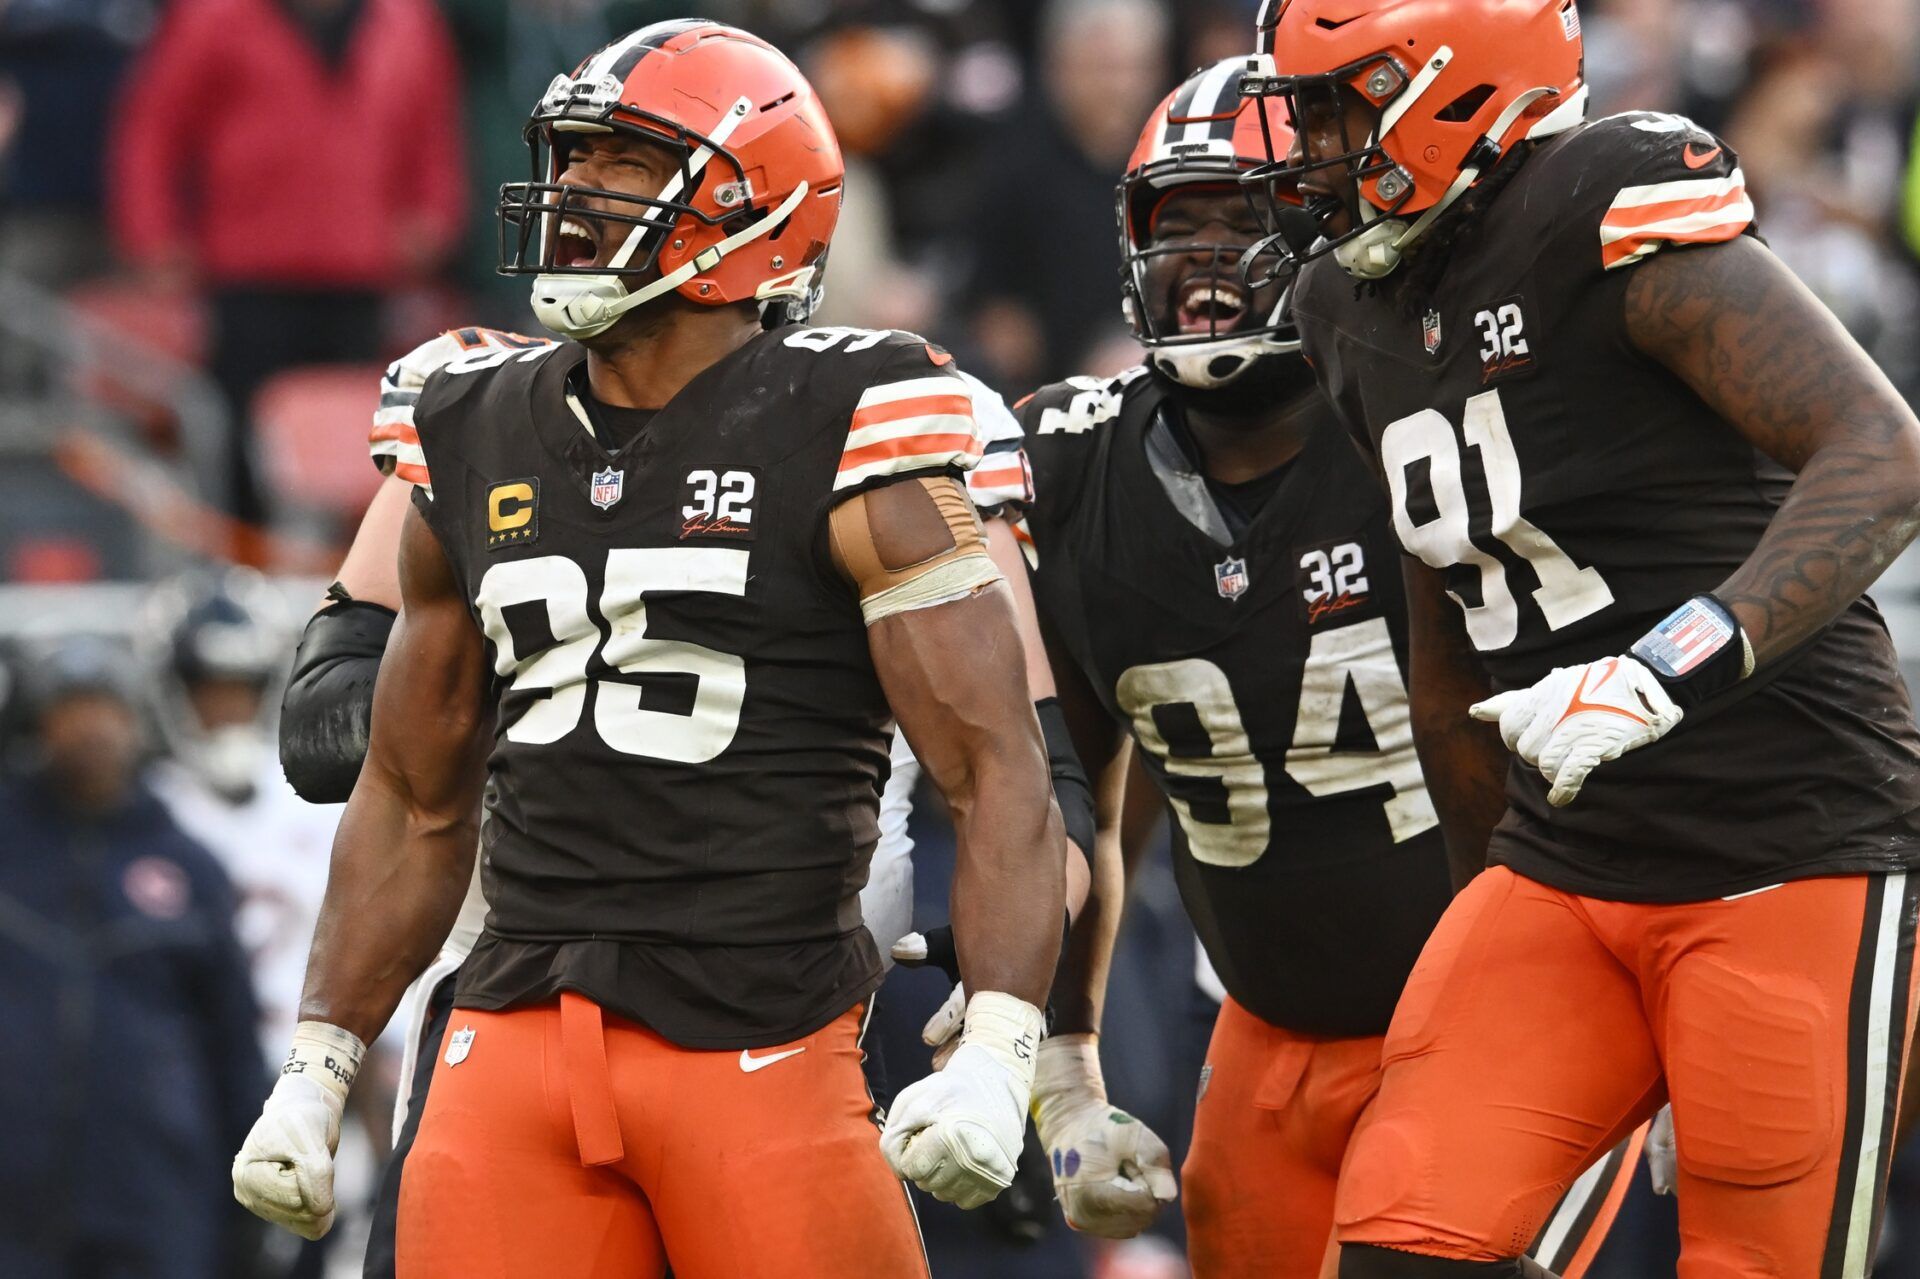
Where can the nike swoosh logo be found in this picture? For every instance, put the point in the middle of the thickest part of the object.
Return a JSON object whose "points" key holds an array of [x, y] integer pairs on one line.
{"points": [[751, 1064], [1695, 160], [1580, 703]]}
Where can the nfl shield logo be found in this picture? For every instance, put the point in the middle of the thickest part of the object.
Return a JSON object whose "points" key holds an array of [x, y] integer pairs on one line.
{"points": [[607, 487], [1430, 331], [459, 1045], [1230, 576]]}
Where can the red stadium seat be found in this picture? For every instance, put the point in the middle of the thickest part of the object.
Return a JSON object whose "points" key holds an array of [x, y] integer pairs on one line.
{"points": [[311, 434]]}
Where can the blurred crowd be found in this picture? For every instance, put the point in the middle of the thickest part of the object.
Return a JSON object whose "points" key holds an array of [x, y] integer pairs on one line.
{"points": [[240, 206], [218, 218]]}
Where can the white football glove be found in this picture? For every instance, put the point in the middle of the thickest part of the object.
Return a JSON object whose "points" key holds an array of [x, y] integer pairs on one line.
{"points": [[1110, 1172], [1579, 717], [957, 1133], [1663, 1162], [284, 1171], [942, 1031]]}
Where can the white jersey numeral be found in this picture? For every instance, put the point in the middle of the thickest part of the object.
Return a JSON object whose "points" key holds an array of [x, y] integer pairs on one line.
{"points": [[1360, 655], [1567, 592], [1191, 702], [560, 670], [1236, 831]]}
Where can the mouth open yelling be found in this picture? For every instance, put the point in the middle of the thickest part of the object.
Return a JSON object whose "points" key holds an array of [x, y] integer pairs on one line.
{"points": [[577, 244], [1209, 305]]}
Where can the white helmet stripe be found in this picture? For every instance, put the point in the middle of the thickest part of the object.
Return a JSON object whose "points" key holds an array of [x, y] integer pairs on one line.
{"points": [[603, 61], [695, 164], [1211, 98]]}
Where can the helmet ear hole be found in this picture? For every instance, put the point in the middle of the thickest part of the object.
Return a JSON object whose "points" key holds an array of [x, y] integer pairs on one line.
{"points": [[1466, 106]]}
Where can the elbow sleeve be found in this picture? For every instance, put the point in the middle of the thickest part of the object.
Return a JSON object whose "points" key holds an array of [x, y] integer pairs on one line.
{"points": [[327, 713], [1071, 790]]}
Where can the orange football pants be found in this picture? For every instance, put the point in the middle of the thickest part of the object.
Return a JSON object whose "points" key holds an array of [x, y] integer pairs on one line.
{"points": [[1275, 1116], [1539, 1026], [569, 1143]]}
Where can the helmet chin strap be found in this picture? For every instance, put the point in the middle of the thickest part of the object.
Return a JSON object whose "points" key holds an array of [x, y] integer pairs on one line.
{"points": [[1376, 251], [1197, 364], [584, 306]]}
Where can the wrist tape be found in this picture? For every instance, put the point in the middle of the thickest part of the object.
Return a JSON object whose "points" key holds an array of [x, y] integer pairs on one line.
{"points": [[1008, 1028], [326, 1054]]}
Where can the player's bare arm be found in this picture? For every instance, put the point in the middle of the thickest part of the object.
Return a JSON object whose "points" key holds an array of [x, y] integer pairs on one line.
{"points": [[401, 862], [1122, 1173], [1733, 323], [371, 570], [941, 631], [404, 852], [943, 668], [1464, 761], [1004, 550], [1080, 986]]}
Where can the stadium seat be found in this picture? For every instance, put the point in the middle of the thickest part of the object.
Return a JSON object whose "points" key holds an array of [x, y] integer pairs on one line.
{"points": [[310, 428]]}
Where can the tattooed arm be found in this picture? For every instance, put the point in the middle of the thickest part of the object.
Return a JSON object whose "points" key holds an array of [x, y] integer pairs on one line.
{"points": [[1732, 322], [1464, 762]]}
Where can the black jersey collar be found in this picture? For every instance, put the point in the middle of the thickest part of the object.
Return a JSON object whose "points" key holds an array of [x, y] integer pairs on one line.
{"points": [[1174, 463]]}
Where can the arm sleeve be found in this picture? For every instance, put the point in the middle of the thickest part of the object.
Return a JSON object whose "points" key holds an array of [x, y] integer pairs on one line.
{"points": [[326, 714]]}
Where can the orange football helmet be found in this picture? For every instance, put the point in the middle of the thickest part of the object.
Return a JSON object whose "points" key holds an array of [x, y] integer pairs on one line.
{"points": [[1455, 83], [750, 214], [1204, 132]]}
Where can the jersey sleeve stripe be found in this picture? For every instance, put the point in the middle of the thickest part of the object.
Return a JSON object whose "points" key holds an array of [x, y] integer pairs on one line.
{"points": [[907, 427], [963, 449], [895, 457], [1738, 215], [1696, 212], [1633, 245], [414, 475], [911, 388], [402, 431], [1623, 252], [1686, 189], [956, 407], [1732, 204], [1004, 482]]}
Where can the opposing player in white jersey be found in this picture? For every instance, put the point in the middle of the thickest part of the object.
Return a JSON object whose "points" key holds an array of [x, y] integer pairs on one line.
{"points": [[326, 716]]}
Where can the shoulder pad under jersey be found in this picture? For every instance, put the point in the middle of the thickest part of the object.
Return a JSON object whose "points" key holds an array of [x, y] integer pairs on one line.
{"points": [[394, 440]]}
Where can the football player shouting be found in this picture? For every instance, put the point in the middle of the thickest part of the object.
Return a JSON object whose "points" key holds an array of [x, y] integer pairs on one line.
{"points": [[1643, 478], [664, 586], [1216, 577]]}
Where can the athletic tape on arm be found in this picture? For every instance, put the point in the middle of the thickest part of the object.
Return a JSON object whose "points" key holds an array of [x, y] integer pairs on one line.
{"points": [[949, 573]]}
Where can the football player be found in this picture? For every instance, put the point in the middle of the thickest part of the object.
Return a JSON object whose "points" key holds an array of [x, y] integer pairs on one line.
{"points": [[1216, 577], [328, 708], [664, 586], [1643, 478]]}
